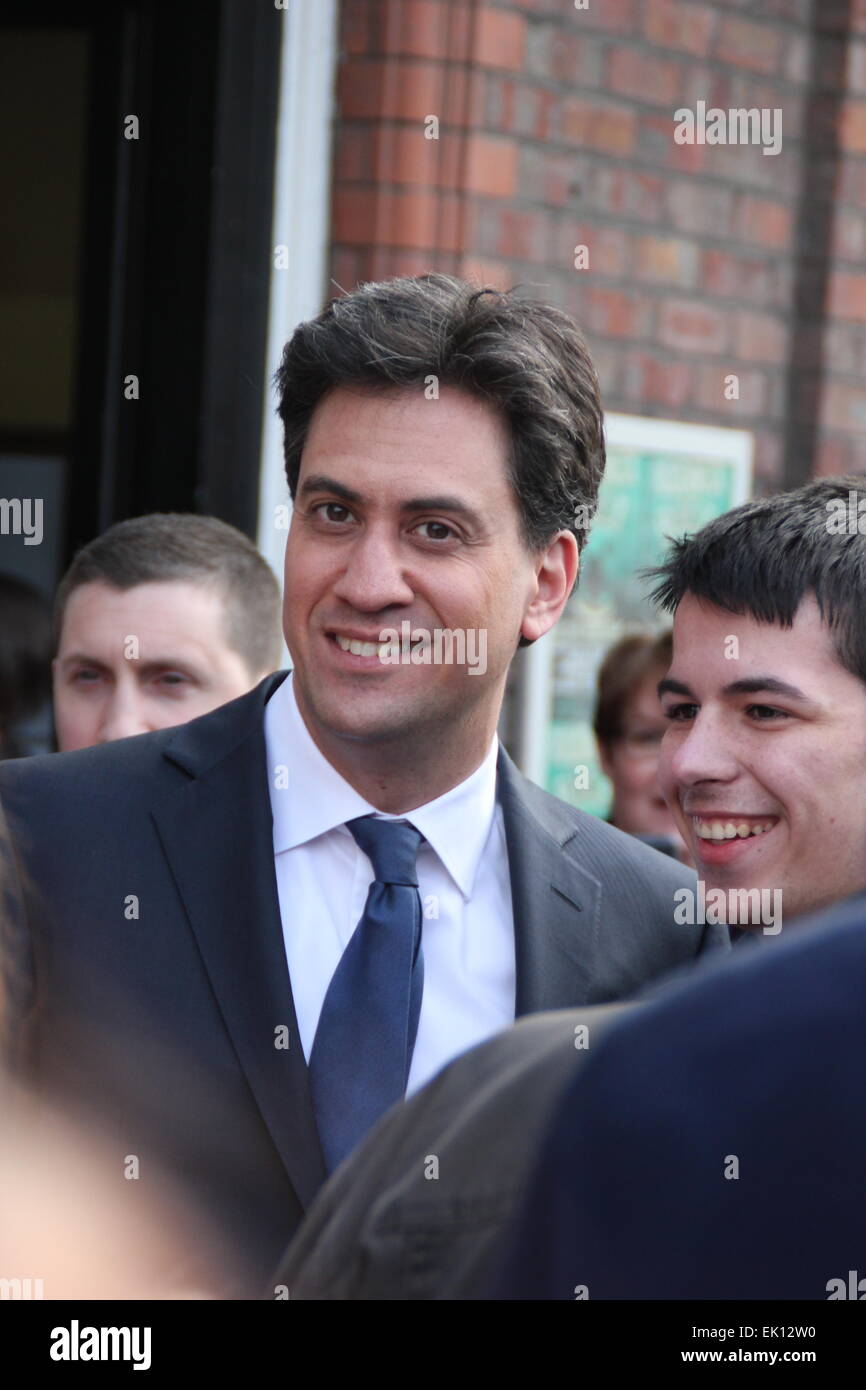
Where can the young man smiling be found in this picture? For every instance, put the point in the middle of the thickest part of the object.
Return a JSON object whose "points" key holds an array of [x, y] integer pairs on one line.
{"points": [[764, 757], [341, 881]]}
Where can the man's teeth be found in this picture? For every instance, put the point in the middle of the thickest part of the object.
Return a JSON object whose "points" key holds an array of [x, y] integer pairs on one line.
{"points": [[351, 644], [729, 830]]}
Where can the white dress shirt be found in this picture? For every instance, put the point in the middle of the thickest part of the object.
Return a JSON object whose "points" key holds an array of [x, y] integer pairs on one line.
{"points": [[323, 878]]}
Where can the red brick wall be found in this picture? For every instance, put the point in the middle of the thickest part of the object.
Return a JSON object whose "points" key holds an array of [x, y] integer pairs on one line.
{"points": [[841, 397], [556, 129]]}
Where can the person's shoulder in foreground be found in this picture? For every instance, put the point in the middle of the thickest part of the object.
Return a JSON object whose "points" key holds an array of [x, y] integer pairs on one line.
{"points": [[713, 1147], [422, 1209]]}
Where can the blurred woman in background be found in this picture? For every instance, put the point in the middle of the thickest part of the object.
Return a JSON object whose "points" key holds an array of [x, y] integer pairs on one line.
{"points": [[629, 725]]}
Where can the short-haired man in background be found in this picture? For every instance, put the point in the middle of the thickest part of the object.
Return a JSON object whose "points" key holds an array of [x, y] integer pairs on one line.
{"points": [[158, 620]]}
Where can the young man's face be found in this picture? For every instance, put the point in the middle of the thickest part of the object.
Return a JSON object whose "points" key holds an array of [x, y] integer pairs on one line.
{"points": [[766, 734], [141, 659], [404, 513]]}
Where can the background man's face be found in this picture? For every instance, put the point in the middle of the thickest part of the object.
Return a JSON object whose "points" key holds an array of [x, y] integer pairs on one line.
{"points": [[184, 666], [403, 512], [739, 752]]}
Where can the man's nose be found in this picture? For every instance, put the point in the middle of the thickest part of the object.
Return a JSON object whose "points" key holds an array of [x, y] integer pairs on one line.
{"points": [[705, 754], [373, 578], [124, 714]]}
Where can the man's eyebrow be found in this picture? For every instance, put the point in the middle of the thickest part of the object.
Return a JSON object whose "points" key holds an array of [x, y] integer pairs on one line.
{"points": [[442, 502], [669, 687], [82, 659], [319, 482], [755, 684], [143, 668]]}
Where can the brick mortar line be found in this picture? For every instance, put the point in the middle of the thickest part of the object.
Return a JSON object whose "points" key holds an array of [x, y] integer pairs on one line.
{"points": [[601, 281], [610, 282], [558, 146], [774, 22], [649, 289], [556, 86], [706, 240], [524, 204]]}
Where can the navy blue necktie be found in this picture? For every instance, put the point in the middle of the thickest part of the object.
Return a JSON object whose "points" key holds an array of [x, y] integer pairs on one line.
{"points": [[359, 1063]]}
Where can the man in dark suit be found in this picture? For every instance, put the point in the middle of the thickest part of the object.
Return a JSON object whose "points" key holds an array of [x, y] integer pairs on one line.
{"points": [[281, 917], [713, 1147]]}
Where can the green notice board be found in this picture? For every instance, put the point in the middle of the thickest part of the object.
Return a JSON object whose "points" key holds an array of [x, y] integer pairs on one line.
{"points": [[663, 479]]}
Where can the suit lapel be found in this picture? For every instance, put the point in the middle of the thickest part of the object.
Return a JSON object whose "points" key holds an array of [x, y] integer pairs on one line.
{"points": [[556, 901], [216, 832]]}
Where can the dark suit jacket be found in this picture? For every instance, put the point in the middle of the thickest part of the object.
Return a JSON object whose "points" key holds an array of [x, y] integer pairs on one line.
{"points": [[142, 898], [758, 1069], [391, 1225]]}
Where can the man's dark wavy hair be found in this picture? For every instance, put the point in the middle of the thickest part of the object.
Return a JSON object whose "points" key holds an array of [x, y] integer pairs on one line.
{"points": [[763, 558], [525, 357]]}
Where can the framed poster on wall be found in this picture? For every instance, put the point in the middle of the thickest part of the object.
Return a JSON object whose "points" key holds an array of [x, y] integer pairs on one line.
{"points": [[662, 479]]}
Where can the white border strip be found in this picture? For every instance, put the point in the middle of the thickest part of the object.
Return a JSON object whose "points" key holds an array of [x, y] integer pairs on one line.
{"points": [[301, 222]]}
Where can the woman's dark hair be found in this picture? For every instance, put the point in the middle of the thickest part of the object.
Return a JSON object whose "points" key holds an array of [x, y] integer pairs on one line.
{"points": [[628, 662], [763, 558], [526, 358]]}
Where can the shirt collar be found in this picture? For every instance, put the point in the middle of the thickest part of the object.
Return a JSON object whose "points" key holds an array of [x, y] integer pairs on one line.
{"points": [[316, 798]]}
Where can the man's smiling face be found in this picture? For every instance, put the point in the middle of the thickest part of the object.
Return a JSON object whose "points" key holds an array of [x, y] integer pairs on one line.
{"points": [[405, 513], [764, 759]]}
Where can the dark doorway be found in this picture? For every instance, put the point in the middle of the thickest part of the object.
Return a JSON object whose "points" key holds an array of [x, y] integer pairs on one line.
{"points": [[138, 173]]}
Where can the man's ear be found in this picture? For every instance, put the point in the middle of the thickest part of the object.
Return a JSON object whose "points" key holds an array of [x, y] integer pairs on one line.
{"points": [[555, 576]]}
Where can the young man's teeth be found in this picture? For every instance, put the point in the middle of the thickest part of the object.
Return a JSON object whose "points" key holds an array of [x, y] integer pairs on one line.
{"points": [[351, 644], [728, 830]]}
